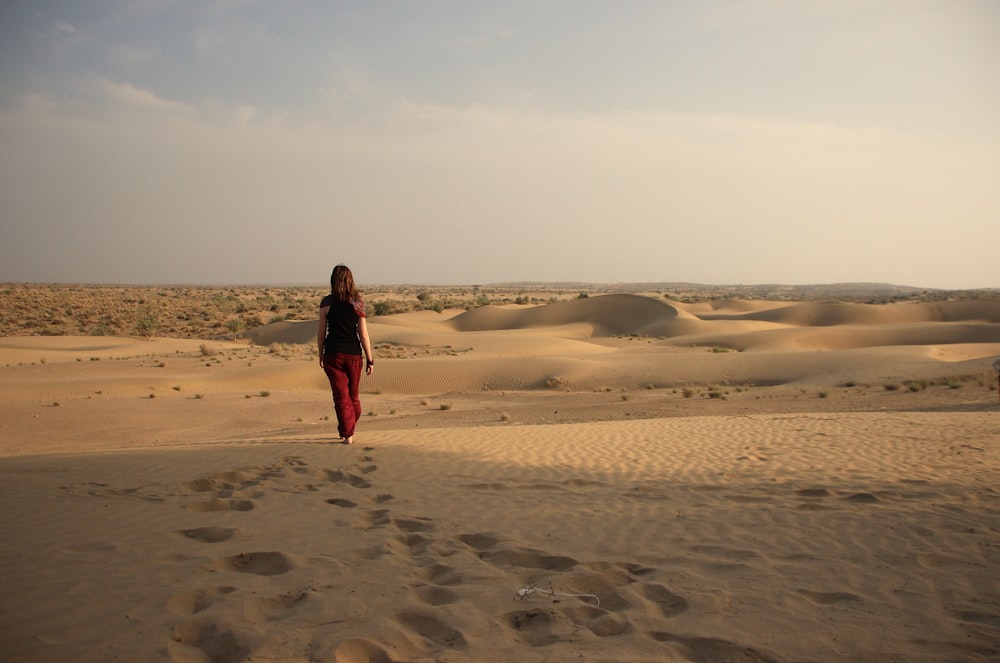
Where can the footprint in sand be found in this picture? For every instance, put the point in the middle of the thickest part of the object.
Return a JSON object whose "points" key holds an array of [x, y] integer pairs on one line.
{"points": [[360, 651], [208, 534], [260, 610], [435, 596], [220, 504], [298, 465], [862, 498], [539, 627], [257, 563], [341, 502], [336, 476], [430, 627], [416, 544], [714, 649], [668, 603], [196, 600], [829, 598], [442, 574], [377, 518], [205, 639], [414, 524], [813, 492], [480, 542], [528, 559]]}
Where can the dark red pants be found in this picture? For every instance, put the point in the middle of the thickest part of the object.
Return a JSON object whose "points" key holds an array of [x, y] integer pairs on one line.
{"points": [[344, 373]]}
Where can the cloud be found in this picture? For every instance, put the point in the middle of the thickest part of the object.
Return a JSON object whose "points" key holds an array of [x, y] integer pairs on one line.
{"points": [[125, 96], [62, 28], [413, 188]]}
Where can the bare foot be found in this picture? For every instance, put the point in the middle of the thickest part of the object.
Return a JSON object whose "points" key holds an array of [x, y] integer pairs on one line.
{"points": [[349, 440]]}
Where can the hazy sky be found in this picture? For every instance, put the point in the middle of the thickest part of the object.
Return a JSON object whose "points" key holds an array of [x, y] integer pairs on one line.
{"points": [[464, 142]]}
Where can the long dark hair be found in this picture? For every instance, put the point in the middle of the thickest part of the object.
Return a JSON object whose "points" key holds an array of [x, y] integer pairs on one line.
{"points": [[342, 284]]}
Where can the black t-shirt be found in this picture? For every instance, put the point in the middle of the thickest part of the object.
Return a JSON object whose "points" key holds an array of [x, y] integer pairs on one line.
{"points": [[342, 325]]}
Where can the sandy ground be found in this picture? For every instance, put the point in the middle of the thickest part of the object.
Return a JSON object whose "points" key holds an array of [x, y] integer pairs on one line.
{"points": [[616, 478]]}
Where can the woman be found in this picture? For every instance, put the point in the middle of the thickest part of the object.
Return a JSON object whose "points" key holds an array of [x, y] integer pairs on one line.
{"points": [[342, 336]]}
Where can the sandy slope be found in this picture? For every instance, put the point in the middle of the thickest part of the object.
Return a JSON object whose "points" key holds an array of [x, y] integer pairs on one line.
{"points": [[166, 501]]}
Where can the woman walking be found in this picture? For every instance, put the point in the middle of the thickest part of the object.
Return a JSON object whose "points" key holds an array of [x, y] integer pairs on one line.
{"points": [[342, 337]]}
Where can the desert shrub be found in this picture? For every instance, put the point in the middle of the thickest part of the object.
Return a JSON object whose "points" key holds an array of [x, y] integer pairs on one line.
{"points": [[235, 326], [146, 325], [383, 307]]}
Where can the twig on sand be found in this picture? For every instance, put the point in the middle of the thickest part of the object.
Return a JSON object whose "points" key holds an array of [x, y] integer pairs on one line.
{"points": [[528, 590]]}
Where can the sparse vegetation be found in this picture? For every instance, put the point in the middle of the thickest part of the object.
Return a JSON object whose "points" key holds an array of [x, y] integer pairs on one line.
{"points": [[204, 312]]}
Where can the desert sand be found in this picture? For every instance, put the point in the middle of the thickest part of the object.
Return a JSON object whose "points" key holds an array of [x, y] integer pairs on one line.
{"points": [[618, 477]]}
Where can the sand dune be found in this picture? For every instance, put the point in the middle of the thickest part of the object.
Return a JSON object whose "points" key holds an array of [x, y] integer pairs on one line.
{"points": [[608, 315], [822, 314], [612, 478], [597, 342]]}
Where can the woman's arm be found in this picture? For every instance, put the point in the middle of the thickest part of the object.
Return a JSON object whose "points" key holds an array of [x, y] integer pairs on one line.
{"points": [[321, 332], [366, 344]]}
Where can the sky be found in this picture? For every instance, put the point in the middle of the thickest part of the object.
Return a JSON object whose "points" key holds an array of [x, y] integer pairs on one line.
{"points": [[461, 142]]}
